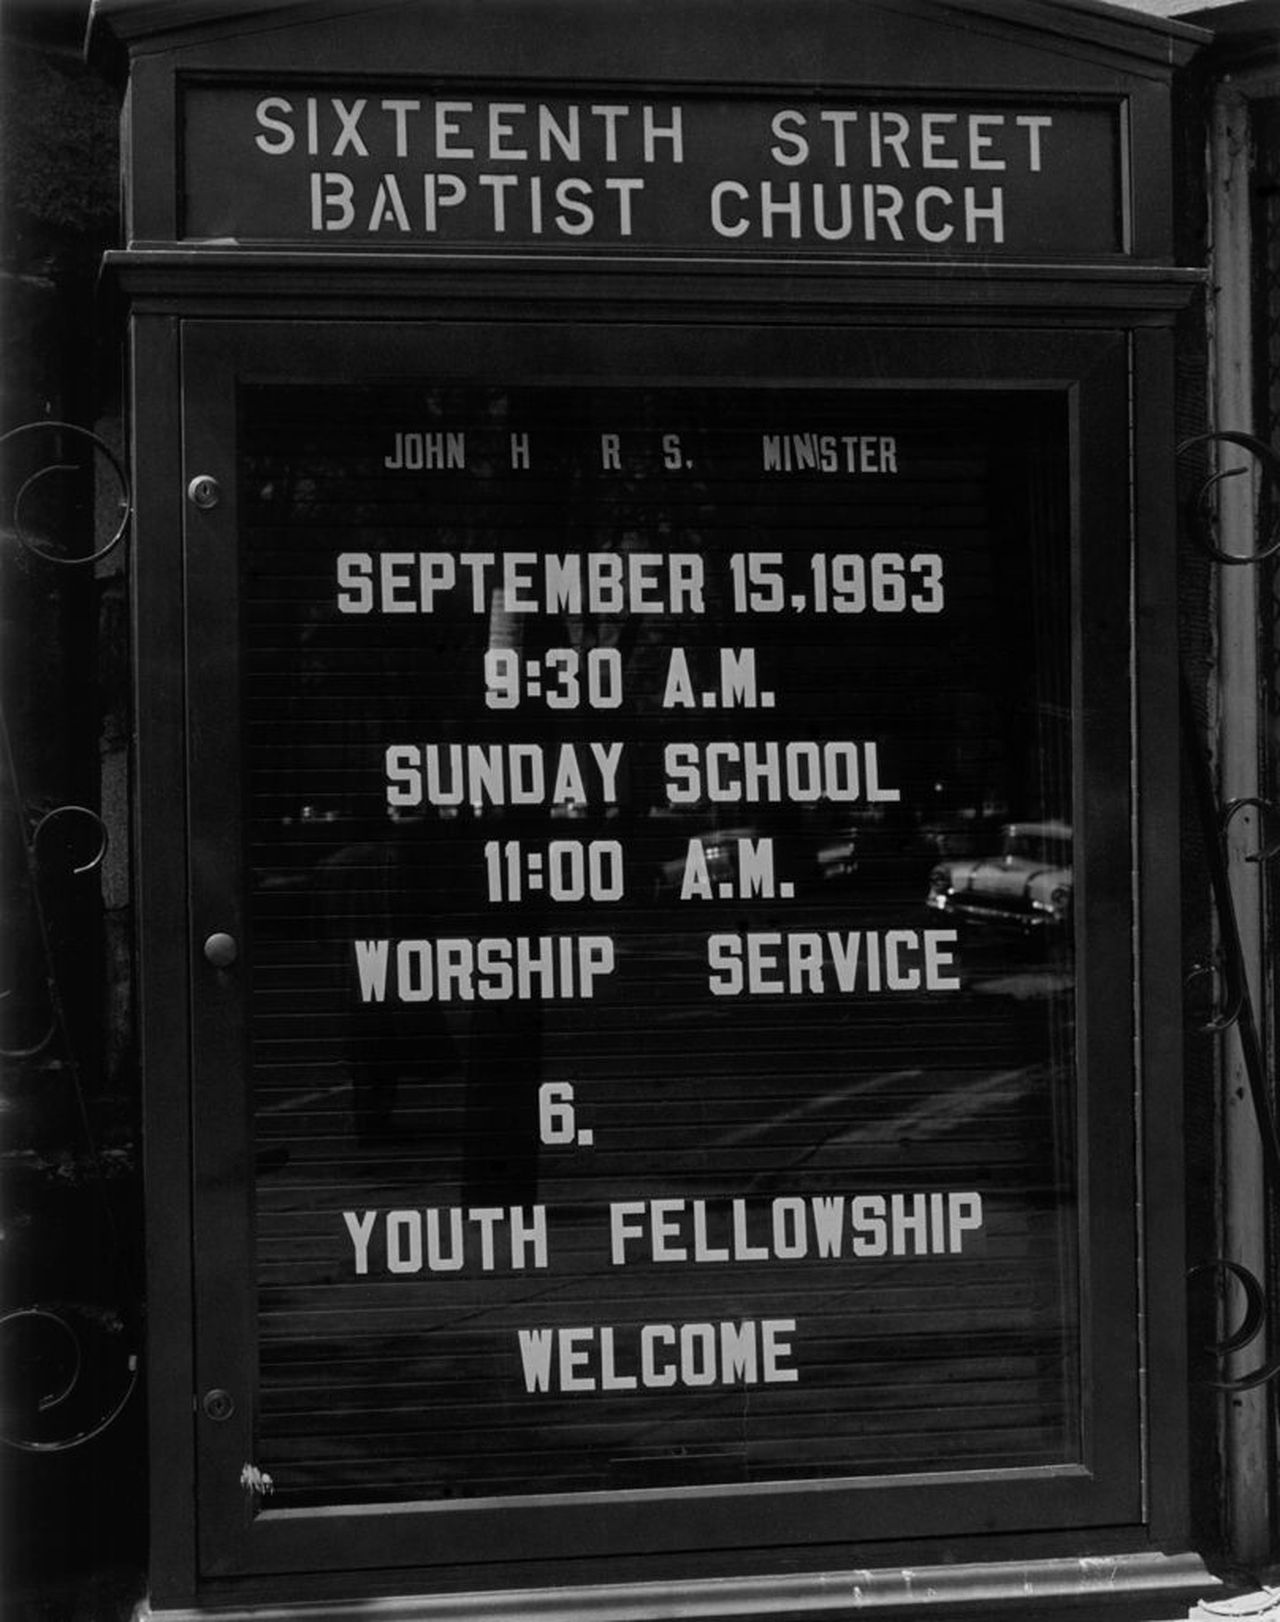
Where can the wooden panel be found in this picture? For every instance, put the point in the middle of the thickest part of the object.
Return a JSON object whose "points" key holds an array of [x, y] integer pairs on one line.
{"points": [[492, 166]]}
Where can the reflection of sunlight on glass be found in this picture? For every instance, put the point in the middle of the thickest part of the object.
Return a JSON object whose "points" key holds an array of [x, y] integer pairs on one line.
{"points": [[506, 630]]}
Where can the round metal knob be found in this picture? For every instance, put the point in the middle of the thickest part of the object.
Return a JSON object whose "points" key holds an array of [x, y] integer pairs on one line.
{"points": [[221, 950], [219, 1404], [204, 492]]}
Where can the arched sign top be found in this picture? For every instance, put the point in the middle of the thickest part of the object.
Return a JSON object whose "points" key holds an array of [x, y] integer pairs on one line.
{"points": [[1165, 41], [901, 130]]}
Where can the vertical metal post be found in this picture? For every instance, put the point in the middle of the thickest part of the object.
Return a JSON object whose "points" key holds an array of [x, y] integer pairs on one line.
{"points": [[1245, 1440]]}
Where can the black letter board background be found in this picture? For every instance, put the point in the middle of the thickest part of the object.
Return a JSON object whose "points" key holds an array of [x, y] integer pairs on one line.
{"points": [[625, 1114]]}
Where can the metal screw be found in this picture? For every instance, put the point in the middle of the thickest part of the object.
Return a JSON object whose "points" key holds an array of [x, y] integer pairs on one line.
{"points": [[204, 492], [219, 1404]]}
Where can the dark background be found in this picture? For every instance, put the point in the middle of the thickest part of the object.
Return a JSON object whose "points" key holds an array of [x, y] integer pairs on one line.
{"points": [[72, 1458]]}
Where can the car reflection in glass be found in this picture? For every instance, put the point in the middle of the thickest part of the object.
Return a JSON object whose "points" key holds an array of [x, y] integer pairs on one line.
{"points": [[721, 854], [1027, 887]]}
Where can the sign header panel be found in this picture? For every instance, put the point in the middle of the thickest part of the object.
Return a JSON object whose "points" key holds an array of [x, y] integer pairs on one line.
{"points": [[471, 168]]}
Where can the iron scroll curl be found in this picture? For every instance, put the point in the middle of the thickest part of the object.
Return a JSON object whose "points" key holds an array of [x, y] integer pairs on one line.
{"points": [[49, 1350], [73, 1365], [1215, 819], [97, 446], [1251, 1325], [1199, 518]]}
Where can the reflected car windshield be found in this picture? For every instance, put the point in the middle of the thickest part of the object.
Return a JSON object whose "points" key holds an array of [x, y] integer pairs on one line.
{"points": [[1038, 847]]}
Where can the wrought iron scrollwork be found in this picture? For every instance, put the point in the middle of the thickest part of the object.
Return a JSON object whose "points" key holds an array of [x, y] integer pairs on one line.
{"points": [[1251, 1325], [48, 1353], [1199, 508], [32, 1050], [71, 1367], [38, 862], [1235, 1008], [50, 470], [1266, 809], [1228, 1004], [1238, 1008]]}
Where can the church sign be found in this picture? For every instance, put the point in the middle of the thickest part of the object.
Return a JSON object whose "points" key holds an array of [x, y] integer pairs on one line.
{"points": [[656, 671], [472, 166]]}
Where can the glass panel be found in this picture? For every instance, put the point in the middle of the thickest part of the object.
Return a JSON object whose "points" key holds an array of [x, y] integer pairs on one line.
{"points": [[662, 1022]]}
